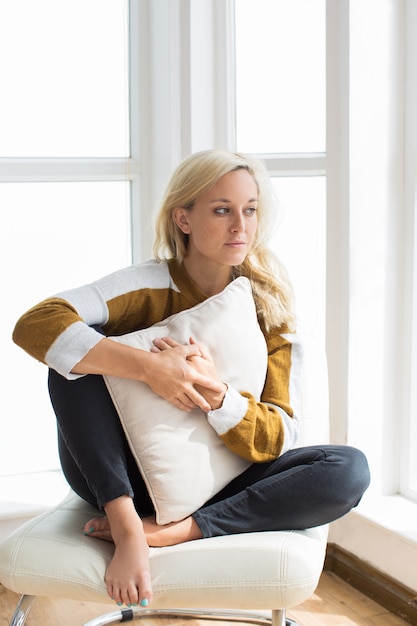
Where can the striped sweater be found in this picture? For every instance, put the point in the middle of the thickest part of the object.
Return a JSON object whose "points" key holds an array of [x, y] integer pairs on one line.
{"points": [[61, 330]]}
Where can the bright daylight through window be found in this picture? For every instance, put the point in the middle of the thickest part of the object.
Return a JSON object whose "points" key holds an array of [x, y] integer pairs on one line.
{"points": [[68, 98], [285, 87], [70, 104]]}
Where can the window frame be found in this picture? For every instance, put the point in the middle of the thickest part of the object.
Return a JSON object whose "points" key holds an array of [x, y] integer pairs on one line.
{"points": [[408, 464], [93, 170], [363, 532], [61, 169], [185, 125]]}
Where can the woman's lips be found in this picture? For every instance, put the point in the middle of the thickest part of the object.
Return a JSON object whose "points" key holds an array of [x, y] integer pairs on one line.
{"points": [[235, 244]]}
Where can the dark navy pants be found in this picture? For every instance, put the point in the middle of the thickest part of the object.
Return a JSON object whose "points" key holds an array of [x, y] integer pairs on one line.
{"points": [[304, 487]]}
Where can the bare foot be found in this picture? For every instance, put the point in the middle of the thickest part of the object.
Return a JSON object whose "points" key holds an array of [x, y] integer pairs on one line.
{"points": [[128, 578], [98, 527], [159, 536]]}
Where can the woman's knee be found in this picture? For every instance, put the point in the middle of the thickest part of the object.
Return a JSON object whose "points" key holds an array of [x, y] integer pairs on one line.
{"points": [[353, 473]]}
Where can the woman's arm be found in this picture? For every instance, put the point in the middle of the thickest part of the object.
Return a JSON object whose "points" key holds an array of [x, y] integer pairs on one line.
{"points": [[62, 329], [258, 431], [168, 373], [61, 332]]}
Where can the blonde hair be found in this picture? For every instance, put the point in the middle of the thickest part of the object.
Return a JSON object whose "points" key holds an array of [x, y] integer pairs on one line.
{"points": [[271, 288]]}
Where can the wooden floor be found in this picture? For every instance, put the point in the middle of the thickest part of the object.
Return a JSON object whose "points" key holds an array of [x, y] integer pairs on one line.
{"points": [[333, 604]]}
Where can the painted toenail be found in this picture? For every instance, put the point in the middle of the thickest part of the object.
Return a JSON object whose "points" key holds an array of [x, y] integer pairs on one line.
{"points": [[144, 602]]}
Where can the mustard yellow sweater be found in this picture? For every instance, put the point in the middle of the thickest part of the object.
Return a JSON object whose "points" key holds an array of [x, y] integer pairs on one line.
{"points": [[61, 330]]}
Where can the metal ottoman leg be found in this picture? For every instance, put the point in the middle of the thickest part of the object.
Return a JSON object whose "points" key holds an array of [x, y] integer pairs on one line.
{"points": [[21, 612]]}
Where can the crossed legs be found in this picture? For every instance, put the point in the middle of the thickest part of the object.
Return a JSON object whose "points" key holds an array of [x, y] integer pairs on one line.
{"points": [[304, 487]]}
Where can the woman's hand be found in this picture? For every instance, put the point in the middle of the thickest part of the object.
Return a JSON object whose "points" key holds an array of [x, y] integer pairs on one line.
{"points": [[168, 370], [210, 387]]}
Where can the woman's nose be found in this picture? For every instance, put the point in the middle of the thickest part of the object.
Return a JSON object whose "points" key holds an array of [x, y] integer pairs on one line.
{"points": [[237, 224]]}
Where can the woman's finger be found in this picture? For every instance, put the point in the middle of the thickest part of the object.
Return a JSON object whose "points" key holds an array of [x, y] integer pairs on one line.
{"points": [[163, 343]]}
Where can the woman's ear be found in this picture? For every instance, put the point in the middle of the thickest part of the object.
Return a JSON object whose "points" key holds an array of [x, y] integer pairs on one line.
{"points": [[180, 217]]}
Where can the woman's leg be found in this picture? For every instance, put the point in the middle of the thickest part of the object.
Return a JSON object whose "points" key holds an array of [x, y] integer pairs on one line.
{"points": [[303, 488], [94, 454], [98, 465]]}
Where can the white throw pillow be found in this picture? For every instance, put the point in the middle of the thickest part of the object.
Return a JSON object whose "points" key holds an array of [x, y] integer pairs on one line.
{"points": [[180, 456]]}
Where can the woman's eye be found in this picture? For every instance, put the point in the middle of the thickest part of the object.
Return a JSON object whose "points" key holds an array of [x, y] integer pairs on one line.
{"points": [[225, 210]]}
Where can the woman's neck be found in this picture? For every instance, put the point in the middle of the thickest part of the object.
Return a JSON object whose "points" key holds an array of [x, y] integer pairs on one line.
{"points": [[209, 279]]}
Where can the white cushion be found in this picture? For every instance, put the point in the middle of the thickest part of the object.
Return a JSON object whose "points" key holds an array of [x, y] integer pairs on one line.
{"points": [[50, 556], [182, 459]]}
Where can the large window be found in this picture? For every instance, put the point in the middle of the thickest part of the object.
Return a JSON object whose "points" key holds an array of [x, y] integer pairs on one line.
{"points": [[382, 179], [281, 115], [69, 118], [351, 255], [65, 171]]}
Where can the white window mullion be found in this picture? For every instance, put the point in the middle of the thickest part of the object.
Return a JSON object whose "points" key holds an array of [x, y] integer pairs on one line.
{"points": [[337, 246], [409, 344], [67, 169], [160, 106], [309, 164], [164, 134], [225, 75], [138, 109]]}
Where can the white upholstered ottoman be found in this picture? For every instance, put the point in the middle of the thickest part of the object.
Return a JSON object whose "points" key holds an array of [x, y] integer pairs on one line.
{"points": [[49, 555]]}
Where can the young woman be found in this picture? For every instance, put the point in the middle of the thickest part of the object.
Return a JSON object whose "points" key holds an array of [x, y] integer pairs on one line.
{"points": [[213, 226]]}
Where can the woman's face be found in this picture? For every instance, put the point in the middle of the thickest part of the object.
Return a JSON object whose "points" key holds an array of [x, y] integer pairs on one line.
{"points": [[221, 225]]}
